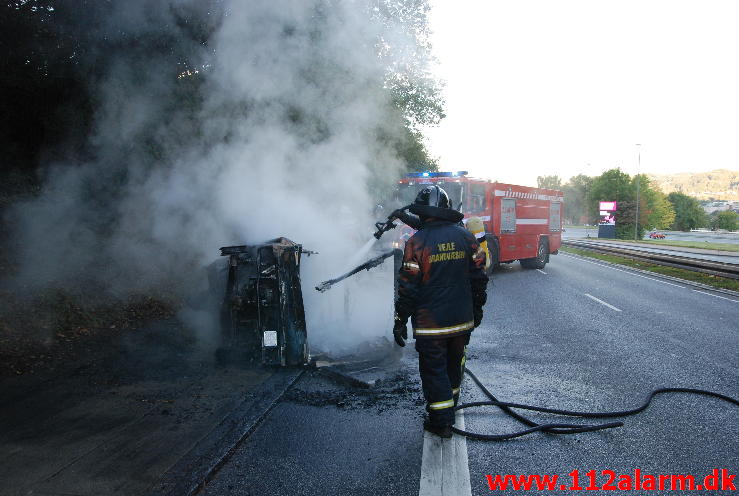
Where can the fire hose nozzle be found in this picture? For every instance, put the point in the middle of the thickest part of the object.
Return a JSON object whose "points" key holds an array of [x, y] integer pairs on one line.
{"points": [[323, 286], [383, 227]]}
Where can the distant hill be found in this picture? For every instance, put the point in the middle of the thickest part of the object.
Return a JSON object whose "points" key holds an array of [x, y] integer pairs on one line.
{"points": [[720, 184]]}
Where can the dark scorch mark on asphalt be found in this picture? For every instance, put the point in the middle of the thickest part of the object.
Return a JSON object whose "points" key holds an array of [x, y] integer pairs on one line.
{"points": [[387, 394]]}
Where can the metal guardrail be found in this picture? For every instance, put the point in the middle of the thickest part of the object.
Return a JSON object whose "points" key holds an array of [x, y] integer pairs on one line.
{"points": [[720, 269]]}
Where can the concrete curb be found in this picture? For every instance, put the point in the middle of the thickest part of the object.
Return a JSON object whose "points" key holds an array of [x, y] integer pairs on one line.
{"points": [[661, 276], [194, 469]]}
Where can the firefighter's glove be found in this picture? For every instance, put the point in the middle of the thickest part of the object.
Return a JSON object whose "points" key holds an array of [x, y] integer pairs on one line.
{"points": [[409, 219], [400, 332], [477, 314], [398, 214]]}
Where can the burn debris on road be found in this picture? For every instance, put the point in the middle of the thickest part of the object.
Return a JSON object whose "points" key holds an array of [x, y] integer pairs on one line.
{"points": [[394, 392]]}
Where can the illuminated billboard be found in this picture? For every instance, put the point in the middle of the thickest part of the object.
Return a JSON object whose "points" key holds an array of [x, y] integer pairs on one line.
{"points": [[607, 210]]}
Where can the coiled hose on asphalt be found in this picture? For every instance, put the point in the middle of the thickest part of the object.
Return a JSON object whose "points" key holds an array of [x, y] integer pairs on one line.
{"points": [[563, 428]]}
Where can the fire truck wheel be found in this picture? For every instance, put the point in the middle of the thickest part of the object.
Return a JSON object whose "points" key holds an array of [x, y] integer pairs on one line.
{"points": [[541, 259], [494, 251], [494, 263]]}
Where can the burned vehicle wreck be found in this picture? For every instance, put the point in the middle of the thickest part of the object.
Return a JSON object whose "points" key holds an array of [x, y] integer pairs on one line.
{"points": [[255, 298], [260, 311]]}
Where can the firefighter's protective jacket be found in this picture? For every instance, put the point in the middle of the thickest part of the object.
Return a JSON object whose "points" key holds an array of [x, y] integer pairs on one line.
{"points": [[442, 279]]}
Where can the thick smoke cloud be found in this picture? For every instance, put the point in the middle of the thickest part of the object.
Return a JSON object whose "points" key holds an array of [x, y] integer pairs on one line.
{"points": [[280, 132]]}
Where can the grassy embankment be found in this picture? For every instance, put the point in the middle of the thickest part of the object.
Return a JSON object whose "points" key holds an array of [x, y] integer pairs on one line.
{"points": [[707, 279]]}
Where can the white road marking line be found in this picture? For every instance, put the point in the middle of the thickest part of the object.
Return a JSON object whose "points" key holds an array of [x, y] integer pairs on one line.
{"points": [[602, 302], [717, 296], [539, 270], [444, 465], [624, 271]]}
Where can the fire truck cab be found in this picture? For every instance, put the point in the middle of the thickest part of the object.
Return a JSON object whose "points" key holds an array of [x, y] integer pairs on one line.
{"points": [[521, 223]]}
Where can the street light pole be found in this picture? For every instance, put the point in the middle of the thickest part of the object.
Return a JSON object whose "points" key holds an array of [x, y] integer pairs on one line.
{"points": [[638, 168]]}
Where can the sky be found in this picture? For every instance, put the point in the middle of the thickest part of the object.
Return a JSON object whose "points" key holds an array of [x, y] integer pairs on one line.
{"points": [[545, 87]]}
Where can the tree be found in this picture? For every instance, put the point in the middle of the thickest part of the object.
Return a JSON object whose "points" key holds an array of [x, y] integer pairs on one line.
{"points": [[655, 211], [661, 213], [615, 185], [688, 212], [550, 182], [654, 203], [410, 147], [415, 93], [727, 220]]}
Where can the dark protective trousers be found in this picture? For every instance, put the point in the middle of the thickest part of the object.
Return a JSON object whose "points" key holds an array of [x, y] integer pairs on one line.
{"points": [[441, 364]]}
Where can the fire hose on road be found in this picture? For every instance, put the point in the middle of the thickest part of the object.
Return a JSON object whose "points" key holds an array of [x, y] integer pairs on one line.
{"points": [[564, 428]]}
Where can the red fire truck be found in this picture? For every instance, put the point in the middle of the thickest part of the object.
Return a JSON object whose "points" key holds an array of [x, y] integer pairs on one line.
{"points": [[521, 223]]}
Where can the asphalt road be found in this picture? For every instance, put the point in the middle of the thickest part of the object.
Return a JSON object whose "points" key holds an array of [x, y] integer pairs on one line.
{"points": [[578, 335], [563, 349]]}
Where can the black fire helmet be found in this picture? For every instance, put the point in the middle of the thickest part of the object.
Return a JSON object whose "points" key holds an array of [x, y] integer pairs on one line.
{"points": [[433, 202], [433, 196]]}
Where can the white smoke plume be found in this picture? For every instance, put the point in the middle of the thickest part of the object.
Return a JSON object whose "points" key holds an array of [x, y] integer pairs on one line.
{"points": [[279, 138]]}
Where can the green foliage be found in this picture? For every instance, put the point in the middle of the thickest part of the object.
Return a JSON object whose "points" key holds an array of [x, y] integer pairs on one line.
{"points": [[661, 213], [415, 93], [625, 217], [550, 182], [727, 220], [654, 210], [625, 230], [612, 185], [688, 212], [658, 211], [615, 185], [410, 147], [408, 144]]}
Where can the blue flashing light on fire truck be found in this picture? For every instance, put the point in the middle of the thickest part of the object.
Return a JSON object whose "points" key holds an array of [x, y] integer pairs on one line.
{"points": [[521, 223]]}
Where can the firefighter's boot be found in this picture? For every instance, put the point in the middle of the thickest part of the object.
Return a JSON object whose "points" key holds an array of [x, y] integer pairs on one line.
{"points": [[441, 431]]}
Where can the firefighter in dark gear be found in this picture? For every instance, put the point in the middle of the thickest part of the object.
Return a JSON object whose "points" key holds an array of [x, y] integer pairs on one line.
{"points": [[441, 287]]}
